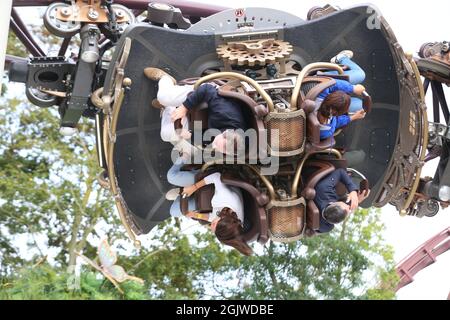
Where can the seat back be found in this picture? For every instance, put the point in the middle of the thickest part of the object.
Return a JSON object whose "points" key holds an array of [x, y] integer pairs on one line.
{"points": [[312, 86], [313, 173], [254, 114], [255, 224], [310, 90]]}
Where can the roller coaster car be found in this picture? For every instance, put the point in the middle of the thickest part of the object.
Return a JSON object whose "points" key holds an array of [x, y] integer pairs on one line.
{"points": [[238, 49]]}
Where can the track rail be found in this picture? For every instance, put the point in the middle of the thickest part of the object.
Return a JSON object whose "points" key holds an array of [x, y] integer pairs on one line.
{"points": [[422, 257]]}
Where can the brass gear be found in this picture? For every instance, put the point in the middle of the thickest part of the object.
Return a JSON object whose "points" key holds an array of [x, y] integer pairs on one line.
{"points": [[254, 52]]}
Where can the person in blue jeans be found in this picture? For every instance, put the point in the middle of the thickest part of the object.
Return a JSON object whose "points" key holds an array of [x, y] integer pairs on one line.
{"points": [[182, 179], [353, 86], [333, 113], [333, 103]]}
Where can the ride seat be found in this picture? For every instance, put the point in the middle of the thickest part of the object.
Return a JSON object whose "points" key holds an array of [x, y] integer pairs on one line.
{"points": [[313, 173], [315, 170], [255, 218], [310, 89], [254, 114]]}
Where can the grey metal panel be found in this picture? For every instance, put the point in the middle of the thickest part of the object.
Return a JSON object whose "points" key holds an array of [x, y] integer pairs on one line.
{"points": [[232, 20]]}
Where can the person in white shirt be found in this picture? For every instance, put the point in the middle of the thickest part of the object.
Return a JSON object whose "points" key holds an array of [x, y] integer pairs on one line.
{"points": [[227, 216]]}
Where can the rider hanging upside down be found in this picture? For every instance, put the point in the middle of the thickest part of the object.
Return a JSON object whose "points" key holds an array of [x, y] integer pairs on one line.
{"points": [[224, 114], [333, 103]]}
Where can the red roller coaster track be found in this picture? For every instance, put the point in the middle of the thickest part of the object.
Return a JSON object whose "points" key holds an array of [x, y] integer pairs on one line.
{"points": [[422, 257]]}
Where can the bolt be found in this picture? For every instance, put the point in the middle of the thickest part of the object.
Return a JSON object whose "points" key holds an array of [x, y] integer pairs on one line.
{"points": [[92, 14], [65, 12], [127, 82], [119, 14]]}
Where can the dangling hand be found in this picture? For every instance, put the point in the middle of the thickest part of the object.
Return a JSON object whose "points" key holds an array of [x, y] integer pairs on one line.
{"points": [[179, 113], [358, 115], [363, 195], [353, 198]]}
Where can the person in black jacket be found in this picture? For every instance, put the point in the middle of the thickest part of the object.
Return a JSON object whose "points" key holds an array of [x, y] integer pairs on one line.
{"points": [[332, 210]]}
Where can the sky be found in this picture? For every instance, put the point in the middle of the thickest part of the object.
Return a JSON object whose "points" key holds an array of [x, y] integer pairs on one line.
{"points": [[414, 23]]}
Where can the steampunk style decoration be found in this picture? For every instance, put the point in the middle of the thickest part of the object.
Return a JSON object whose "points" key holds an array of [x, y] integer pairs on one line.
{"points": [[254, 53]]}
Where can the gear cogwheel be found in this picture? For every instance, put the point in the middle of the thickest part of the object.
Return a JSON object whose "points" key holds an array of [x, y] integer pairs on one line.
{"points": [[253, 53]]}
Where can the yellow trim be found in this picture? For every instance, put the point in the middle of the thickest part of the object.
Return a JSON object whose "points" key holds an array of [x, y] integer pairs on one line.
{"points": [[112, 177]]}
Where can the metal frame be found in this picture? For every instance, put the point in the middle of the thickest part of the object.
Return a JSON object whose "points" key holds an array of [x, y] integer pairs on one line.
{"points": [[190, 9]]}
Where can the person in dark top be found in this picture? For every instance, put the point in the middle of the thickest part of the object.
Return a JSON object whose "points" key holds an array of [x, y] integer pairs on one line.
{"points": [[332, 210], [224, 114]]}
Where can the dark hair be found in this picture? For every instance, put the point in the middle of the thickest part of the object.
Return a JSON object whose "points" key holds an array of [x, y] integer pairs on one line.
{"points": [[334, 214], [229, 231], [335, 104]]}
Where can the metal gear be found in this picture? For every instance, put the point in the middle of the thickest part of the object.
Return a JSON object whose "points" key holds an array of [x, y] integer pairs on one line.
{"points": [[251, 53], [60, 28]]}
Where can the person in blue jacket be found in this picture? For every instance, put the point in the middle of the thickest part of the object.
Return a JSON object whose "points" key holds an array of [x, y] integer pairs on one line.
{"points": [[335, 103]]}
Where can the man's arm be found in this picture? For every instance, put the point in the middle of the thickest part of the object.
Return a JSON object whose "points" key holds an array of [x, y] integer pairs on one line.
{"points": [[202, 94], [347, 181], [351, 188]]}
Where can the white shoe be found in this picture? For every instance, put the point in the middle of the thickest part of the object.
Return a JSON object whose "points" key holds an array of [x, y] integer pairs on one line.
{"points": [[345, 53], [173, 194]]}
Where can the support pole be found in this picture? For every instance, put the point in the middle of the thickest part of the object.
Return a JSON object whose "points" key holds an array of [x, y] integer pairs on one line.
{"points": [[5, 14]]}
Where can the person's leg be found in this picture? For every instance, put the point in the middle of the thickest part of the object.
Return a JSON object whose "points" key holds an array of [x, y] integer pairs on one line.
{"points": [[355, 105], [175, 210], [171, 95], [355, 72], [180, 178]]}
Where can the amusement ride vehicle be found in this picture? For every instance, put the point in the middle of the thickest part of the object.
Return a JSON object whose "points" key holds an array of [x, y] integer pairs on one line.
{"points": [[272, 62]]}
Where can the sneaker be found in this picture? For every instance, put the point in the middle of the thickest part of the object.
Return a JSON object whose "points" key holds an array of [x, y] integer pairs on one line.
{"points": [[155, 74], [173, 194], [345, 53], [156, 104]]}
